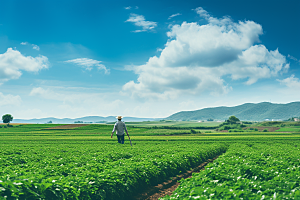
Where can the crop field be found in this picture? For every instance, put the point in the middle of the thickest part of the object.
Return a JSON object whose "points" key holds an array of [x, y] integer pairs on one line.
{"points": [[248, 171], [290, 129], [164, 123], [85, 163]]}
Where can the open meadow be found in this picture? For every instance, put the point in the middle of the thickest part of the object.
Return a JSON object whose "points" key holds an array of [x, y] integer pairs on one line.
{"points": [[50, 161]]}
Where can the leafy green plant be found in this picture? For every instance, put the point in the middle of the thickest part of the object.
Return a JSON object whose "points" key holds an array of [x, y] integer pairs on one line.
{"points": [[193, 131], [94, 169], [247, 171]]}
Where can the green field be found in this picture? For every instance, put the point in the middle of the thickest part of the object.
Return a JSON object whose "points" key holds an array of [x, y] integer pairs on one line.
{"points": [[85, 163], [164, 123], [289, 129]]}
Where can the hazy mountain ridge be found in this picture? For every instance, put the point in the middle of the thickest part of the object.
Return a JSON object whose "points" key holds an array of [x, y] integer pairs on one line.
{"points": [[245, 112], [87, 119]]}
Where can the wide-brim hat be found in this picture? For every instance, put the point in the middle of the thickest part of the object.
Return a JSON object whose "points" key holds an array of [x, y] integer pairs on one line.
{"points": [[119, 117]]}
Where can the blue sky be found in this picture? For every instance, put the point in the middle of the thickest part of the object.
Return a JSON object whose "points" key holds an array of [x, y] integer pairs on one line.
{"points": [[145, 58]]}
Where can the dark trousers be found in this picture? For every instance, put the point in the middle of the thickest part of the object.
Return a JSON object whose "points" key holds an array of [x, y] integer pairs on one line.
{"points": [[121, 139]]}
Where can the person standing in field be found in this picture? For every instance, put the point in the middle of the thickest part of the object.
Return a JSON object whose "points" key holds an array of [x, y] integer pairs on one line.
{"points": [[120, 127]]}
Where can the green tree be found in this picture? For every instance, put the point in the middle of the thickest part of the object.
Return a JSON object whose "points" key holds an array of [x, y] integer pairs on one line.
{"points": [[233, 119], [193, 131], [7, 118]]}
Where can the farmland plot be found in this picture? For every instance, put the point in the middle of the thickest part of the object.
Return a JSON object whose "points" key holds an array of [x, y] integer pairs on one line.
{"points": [[247, 171], [85, 163], [85, 169]]}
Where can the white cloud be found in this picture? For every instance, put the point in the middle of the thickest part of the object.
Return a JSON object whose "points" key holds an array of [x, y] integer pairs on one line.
{"points": [[255, 63], [6, 100], [31, 113], [38, 91], [129, 7], [36, 47], [174, 15], [202, 12], [196, 57], [71, 102], [290, 89], [50, 94], [12, 62], [293, 58], [64, 96], [88, 64], [291, 82], [138, 31], [139, 20]]}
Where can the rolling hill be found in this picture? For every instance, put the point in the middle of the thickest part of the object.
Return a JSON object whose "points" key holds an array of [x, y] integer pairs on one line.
{"points": [[245, 112], [87, 119]]}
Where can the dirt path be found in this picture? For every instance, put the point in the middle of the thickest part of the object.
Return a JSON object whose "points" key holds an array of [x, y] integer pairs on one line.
{"points": [[168, 187]]}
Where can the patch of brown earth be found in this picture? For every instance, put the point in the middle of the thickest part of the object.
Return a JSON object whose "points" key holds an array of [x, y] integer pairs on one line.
{"points": [[68, 126], [168, 187]]}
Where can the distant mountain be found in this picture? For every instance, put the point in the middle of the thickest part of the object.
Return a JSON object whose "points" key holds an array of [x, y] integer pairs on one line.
{"points": [[88, 119], [245, 112]]}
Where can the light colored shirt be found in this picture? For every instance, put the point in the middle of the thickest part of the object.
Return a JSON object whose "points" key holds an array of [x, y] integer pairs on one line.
{"points": [[120, 127]]}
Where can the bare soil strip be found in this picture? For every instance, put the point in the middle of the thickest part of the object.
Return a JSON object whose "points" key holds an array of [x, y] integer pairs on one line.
{"points": [[168, 187], [68, 126]]}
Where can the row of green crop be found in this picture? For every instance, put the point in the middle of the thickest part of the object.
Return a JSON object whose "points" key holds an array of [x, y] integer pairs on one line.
{"points": [[247, 171], [176, 127], [98, 129], [94, 169]]}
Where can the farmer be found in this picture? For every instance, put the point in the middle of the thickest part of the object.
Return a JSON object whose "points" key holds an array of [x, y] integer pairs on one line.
{"points": [[119, 127]]}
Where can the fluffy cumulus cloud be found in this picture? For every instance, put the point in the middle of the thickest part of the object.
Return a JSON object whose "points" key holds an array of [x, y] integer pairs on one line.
{"points": [[88, 64], [291, 82], [53, 95], [6, 100], [197, 57], [36, 47], [78, 101], [12, 63], [139, 20], [66, 95]]}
